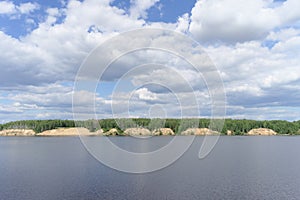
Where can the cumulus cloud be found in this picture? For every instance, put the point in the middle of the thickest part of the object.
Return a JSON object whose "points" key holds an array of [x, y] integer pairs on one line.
{"points": [[25, 8], [256, 76], [283, 34], [9, 8], [21, 63], [238, 20], [183, 23], [139, 7], [254, 44], [145, 94], [53, 52]]}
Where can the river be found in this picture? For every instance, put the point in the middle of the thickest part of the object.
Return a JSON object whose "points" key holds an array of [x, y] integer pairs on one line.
{"points": [[47, 168]]}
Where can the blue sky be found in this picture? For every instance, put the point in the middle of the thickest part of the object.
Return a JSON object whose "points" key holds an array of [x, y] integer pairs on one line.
{"points": [[255, 46], [162, 11]]}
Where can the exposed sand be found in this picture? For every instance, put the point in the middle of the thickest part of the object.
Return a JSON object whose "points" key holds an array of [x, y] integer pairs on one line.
{"points": [[129, 131], [262, 131], [70, 132], [111, 132], [17, 132], [199, 131], [137, 131], [163, 131]]}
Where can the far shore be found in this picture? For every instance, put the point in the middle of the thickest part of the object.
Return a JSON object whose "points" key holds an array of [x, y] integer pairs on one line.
{"points": [[80, 131]]}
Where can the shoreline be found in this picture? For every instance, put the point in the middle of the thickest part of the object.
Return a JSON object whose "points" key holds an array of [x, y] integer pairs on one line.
{"points": [[142, 137], [135, 132], [147, 126]]}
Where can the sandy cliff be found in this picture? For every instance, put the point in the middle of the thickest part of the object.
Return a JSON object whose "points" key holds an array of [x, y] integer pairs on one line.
{"points": [[17, 132], [137, 131], [129, 131], [111, 132], [199, 131], [69, 132], [261, 131], [163, 131]]}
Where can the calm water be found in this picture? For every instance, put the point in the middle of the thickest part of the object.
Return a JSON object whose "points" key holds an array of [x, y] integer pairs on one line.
{"points": [[238, 168]]}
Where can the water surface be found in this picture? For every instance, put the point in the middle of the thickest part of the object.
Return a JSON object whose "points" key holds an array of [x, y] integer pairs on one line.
{"points": [[47, 168]]}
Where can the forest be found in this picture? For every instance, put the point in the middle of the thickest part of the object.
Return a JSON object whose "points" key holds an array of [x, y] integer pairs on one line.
{"points": [[237, 126]]}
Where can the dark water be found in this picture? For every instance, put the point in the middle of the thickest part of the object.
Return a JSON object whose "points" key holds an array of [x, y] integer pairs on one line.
{"points": [[237, 168]]}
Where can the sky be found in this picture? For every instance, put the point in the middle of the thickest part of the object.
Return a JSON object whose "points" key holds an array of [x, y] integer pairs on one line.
{"points": [[255, 46]]}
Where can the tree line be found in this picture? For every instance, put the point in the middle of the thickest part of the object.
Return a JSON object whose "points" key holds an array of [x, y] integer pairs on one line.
{"points": [[236, 126]]}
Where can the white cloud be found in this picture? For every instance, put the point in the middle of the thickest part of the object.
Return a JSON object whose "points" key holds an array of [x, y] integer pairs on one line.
{"points": [[238, 20], [22, 63], [290, 46], [7, 7], [9, 109], [145, 94], [288, 12], [26, 8], [262, 113], [54, 52], [139, 7], [258, 79], [51, 101], [258, 76], [283, 34], [183, 23]]}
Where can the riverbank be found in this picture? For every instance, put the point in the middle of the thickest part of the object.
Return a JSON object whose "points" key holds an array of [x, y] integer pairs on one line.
{"points": [[60, 132], [139, 126]]}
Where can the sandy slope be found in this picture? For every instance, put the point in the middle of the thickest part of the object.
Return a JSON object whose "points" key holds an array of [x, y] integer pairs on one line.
{"points": [[130, 131], [69, 132], [262, 131], [17, 132]]}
